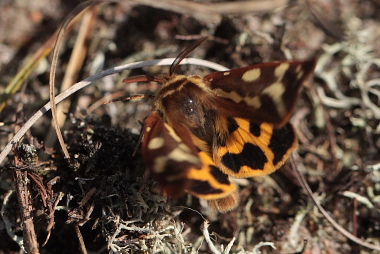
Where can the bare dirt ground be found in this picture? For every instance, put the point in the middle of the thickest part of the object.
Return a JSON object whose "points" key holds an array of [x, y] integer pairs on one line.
{"points": [[103, 201]]}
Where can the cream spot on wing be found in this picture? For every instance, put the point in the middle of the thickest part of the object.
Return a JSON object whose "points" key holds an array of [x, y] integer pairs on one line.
{"points": [[179, 154], [174, 178], [148, 129], [230, 95], [182, 153], [235, 97], [159, 164], [251, 75], [280, 70], [184, 148], [172, 133], [156, 143], [275, 91], [253, 101], [226, 73], [299, 74]]}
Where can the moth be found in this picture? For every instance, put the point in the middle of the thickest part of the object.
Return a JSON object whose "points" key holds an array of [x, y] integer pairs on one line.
{"points": [[204, 130]]}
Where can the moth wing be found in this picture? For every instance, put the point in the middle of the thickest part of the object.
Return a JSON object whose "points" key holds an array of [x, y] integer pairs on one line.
{"points": [[266, 92], [209, 182], [254, 149], [178, 165]]}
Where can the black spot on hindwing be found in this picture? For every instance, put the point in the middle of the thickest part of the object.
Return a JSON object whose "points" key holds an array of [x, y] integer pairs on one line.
{"points": [[251, 156], [203, 188], [255, 129], [232, 125], [219, 175], [281, 141]]}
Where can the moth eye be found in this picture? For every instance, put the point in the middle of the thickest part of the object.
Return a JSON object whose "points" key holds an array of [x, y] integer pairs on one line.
{"points": [[188, 106]]}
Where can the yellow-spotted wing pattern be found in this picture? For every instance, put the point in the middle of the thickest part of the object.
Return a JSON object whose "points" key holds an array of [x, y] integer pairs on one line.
{"points": [[202, 131]]}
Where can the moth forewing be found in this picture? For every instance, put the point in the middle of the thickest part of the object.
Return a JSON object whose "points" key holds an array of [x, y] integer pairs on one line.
{"points": [[178, 165], [262, 93], [168, 154]]}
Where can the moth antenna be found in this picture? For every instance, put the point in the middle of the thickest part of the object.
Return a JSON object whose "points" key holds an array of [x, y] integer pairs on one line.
{"points": [[140, 139], [141, 78], [185, 53], [136, 97]]}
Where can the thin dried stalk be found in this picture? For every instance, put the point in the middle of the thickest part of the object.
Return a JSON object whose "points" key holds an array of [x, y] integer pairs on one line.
{"points": [[74, 66], [23, 196], [73, 15], [296, 163], [212, 13]]}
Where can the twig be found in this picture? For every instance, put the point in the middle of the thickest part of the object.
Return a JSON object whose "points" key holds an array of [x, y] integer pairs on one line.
{"points": [[82, 246], [206, 234], [198, 36], [72, 16], [293, 234], [361, 199], [30, 237], [229, 246], [211, 245], [355, 218], [76, 61], [51, 206], [262, 244], [212, 13]]}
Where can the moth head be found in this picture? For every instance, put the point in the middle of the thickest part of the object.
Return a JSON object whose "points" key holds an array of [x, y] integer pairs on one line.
{"points": [[185, 100], [165, 79]]}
